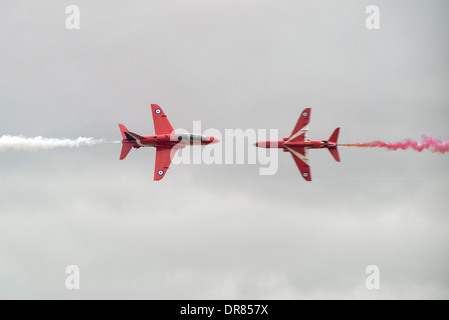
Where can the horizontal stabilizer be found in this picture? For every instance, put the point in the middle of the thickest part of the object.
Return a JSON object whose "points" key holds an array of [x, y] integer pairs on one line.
{"points": [[334, 137], [334, 153], [126, 148]]}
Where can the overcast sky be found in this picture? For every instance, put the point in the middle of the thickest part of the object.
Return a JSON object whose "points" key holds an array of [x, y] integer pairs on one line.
{"points": [[224, 231]]}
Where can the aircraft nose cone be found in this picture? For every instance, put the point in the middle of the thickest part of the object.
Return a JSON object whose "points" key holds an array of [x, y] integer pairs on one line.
{"points": [[256, 144], [216, 140]]}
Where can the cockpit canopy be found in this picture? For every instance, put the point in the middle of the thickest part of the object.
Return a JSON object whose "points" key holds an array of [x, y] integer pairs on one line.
{"points": [[191, 137]]}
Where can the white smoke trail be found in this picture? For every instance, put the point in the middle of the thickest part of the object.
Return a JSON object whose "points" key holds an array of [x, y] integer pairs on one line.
{"points": [[32, 144]]}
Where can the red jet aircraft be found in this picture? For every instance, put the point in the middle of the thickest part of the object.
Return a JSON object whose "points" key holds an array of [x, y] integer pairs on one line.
{"points": [[166, 141], [298, 144]]}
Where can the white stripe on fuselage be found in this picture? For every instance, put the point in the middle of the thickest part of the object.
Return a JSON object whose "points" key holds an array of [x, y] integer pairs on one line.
{"points": [[304, 158], [138, 141], [304, 130]]}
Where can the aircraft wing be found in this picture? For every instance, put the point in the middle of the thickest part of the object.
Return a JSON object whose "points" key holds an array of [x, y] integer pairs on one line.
{"points": [[163, 160], [301, 157], [160, 120], [301, 130]]}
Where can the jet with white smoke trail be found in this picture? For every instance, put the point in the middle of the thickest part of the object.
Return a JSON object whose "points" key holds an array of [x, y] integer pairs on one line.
{"points": [[39, 143]]}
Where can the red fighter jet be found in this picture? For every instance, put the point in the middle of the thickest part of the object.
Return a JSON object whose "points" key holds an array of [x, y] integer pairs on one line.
{"points": [[166, 141], [298, 144]]}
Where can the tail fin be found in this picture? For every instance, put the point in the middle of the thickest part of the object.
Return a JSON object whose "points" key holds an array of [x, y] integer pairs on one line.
{"points": [[334, 139]]}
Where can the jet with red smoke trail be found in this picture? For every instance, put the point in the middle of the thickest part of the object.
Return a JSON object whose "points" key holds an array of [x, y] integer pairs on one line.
{"points": [[298, 144], [427, 143], [166, 141]]}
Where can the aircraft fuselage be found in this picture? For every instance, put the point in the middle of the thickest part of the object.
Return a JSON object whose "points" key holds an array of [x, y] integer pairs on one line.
{"points": [[179, 140], [297, 144]]}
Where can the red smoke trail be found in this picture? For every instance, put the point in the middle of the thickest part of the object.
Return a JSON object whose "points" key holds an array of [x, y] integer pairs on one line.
{"points": [[432, 144]]}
